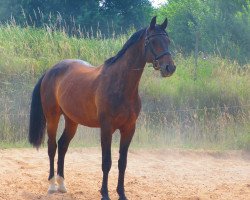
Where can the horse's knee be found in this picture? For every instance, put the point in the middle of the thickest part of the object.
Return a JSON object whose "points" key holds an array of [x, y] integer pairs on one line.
{"points": [[106, 166], [106, 163], [122, 164]]}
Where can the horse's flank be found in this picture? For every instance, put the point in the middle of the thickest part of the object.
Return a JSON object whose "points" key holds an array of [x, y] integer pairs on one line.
{"points": [[71, 86]]}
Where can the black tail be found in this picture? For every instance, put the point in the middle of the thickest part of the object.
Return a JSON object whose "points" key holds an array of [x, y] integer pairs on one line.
{"points": [[37, 118]]}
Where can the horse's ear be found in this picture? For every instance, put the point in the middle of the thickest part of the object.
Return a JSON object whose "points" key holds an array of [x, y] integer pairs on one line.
{"points": [[153, 22], [164, 24]]}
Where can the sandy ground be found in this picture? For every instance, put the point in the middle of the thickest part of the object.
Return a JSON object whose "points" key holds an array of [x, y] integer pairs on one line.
{"points": [[151, 174]]}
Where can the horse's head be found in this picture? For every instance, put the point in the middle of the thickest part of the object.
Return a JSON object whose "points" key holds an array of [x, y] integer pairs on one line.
{"points": [[156, 48]]}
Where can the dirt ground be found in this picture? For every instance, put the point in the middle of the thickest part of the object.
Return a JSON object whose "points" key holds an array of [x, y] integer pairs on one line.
{"points": [[151, 174]]}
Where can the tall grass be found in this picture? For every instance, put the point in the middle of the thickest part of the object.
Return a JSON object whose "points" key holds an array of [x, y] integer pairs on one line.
{"points": [[209, 112]]}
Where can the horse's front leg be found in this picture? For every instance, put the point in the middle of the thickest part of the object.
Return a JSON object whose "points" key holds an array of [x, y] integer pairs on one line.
{"points": [[106, 139], [127, 133]]}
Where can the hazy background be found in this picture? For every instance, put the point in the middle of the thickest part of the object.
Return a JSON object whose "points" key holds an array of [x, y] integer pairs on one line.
{"points": [[204, 105]]}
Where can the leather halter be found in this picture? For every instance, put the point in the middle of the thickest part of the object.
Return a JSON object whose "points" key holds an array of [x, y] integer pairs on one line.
{"points": [[152, 50]]}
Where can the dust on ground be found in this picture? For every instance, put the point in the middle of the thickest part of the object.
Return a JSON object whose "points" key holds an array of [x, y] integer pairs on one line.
{"points": [[150, 174]]}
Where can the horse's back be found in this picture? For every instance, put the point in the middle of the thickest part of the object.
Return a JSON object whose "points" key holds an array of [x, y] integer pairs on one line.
{"points": [[67, 66], [69, 88]]}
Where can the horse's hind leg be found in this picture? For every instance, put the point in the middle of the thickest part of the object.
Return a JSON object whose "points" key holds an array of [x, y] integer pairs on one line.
{"points": [[52, 125], [63, 143]]}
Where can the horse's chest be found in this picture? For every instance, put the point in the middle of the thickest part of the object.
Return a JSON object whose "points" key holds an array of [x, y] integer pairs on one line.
{"points": [[123, 117], [124, 113]]}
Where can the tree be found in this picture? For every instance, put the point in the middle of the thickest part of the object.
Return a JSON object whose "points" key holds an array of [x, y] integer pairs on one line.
{"points": [[124, 13], [89, 14], [223, 26]]}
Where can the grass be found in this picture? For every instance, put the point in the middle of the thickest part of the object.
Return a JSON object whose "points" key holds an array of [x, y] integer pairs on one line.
{"points": [[209, 112]]}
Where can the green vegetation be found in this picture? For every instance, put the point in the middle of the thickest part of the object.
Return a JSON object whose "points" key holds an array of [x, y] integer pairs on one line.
{"points": [[209, 112], [221, 26], [218, 27], [84, 15]]}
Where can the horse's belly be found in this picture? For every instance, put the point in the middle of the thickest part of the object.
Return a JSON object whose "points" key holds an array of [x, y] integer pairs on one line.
{"points": [[80, 109], [90, 123], [82, 117], [89, 120]]}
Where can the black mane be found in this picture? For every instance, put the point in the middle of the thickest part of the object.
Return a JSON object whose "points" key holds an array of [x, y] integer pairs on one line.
{"points": [[132, 40]]}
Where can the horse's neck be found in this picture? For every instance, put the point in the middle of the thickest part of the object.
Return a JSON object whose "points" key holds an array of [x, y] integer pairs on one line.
{"points": [[129, 69]]}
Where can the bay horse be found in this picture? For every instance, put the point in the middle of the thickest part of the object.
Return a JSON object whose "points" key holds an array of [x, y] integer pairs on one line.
{"points": [[105, 96]]}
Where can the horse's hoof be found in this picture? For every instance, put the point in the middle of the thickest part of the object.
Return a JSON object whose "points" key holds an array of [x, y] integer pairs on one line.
{"points": [[52, 189], [52, 186], [61, 187]]}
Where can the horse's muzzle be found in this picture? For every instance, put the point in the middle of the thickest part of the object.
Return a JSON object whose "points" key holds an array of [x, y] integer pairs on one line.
{"points": [[168, 70]]}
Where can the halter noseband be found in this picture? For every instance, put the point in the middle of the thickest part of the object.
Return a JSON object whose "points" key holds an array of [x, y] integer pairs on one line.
{"points": [[152, 50]]}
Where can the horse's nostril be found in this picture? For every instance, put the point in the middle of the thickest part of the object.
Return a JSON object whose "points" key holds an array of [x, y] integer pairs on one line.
{"points": [[170, 68], [167, 68]]}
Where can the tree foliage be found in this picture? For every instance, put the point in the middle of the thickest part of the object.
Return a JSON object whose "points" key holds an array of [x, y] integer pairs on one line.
{"points": [[223, 26], [106, 15], [220, 26]]}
